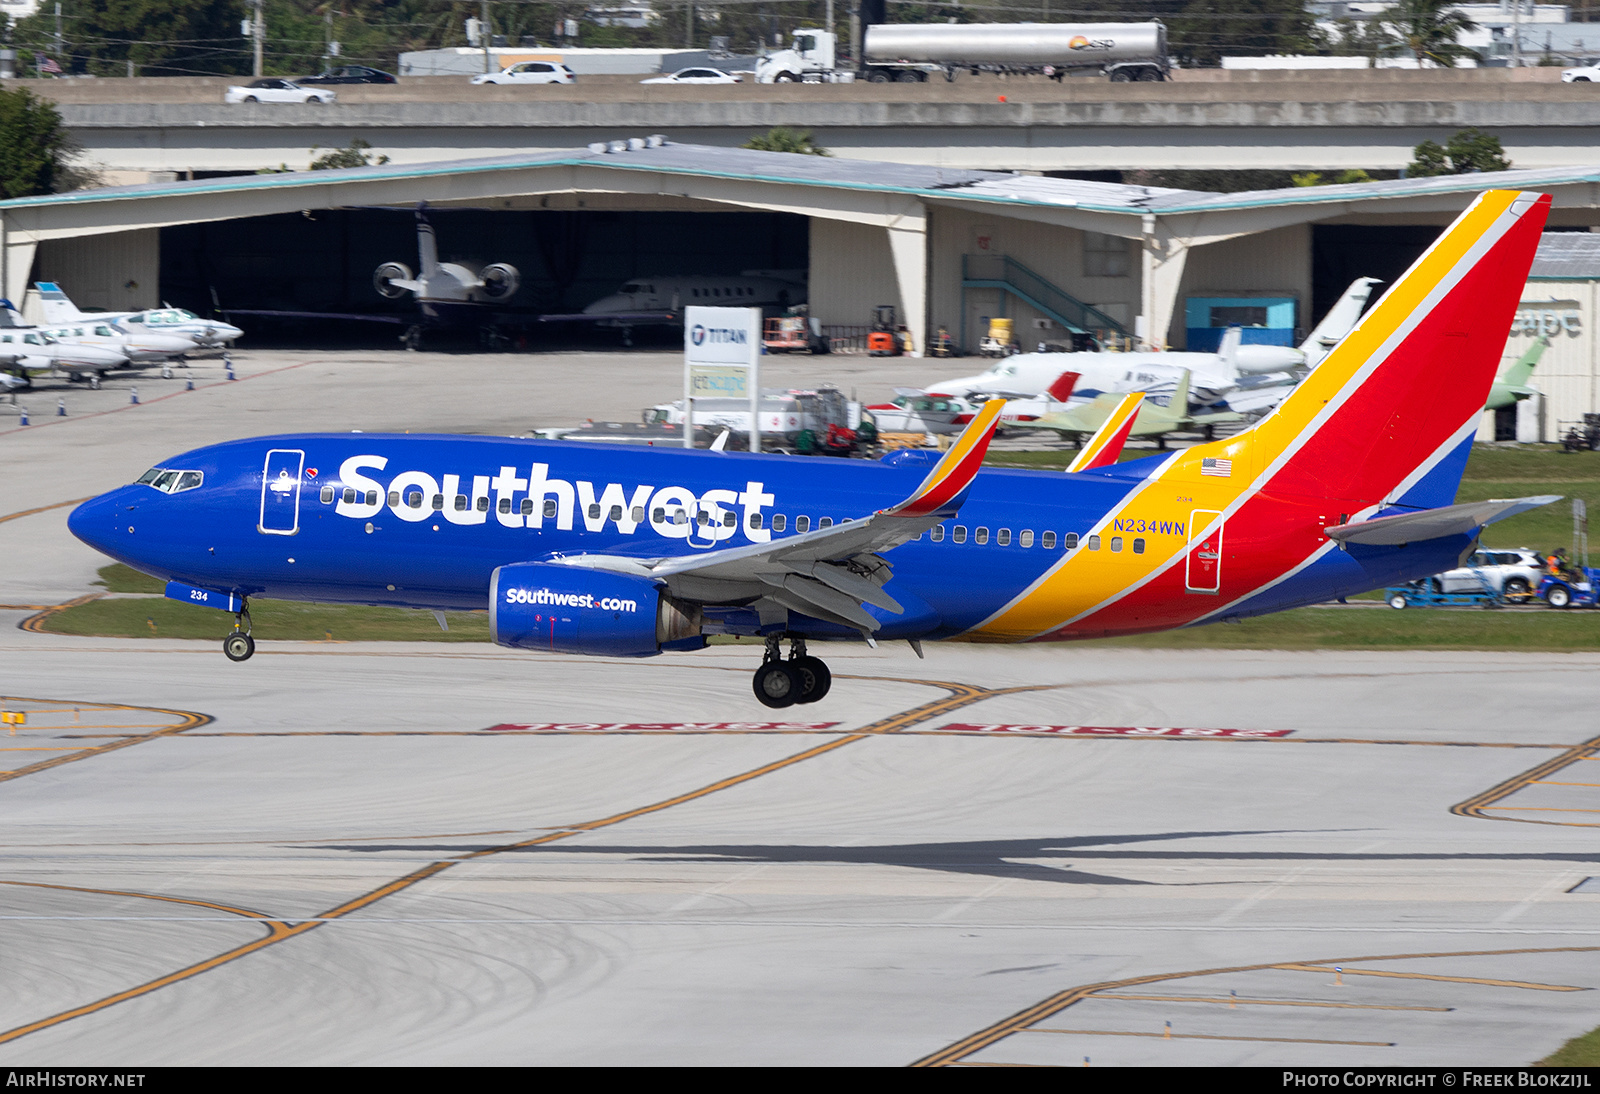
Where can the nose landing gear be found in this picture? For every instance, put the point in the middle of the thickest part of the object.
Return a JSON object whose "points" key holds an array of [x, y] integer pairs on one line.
{"points": [[239, 646], [801, 679]]}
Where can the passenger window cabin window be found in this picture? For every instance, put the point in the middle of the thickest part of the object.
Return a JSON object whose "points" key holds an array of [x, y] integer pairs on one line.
{"points": [[958, 534], [616, 512], [1094, 543], [549, 507], [729, 520], [802, 524], [936, 533], [1048, 541], [825, 522], [461, 503], [438, 502], [1025, 538], [483, 504], [1116, 543], [638, 514], [505, 505], [594, 511], [527, 507], [372, 497], [394, 497], [980, 536], [1070, 542], [327, 495], [1138, 546], [779, 522], [414, 499], [755, 521], [1002, 538]]}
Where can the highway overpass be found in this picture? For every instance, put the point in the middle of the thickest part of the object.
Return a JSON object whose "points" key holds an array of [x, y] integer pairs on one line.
{"points": [[136, 129]]}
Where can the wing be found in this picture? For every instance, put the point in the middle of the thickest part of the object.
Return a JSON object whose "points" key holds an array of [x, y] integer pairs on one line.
{"points": [[829, 573]]}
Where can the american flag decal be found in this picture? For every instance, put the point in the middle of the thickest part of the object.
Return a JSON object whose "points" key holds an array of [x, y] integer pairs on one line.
{"points": [[1220, 468]]}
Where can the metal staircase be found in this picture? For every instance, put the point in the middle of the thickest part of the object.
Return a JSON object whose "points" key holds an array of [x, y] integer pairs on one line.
{"points": [[1006, 273]]}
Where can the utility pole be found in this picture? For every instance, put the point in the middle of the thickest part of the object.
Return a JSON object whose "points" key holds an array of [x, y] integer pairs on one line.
{"points": [[688, 25], [483, 33], [1516, 33], [260, 34], [830, 16]]}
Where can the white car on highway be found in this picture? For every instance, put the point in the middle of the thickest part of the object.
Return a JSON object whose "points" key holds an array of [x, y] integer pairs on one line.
{"points": [[1587, 72], [273, 90], [530, 72], [694, 76]]}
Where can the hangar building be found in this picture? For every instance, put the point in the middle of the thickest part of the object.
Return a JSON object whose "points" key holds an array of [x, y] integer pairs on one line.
{"points": [[948, 248]]}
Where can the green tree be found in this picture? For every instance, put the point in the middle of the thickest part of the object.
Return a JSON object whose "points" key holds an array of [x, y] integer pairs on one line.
{"points": [[1469, 150], [1429, 29], [34, 147], [353, 154], [780, 138], [159, 37]]}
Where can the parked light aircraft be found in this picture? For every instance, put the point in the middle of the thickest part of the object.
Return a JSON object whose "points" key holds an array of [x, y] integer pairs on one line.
{"points": [[142, 349], [915, 411], [1248, 379], [1347, 485], [659, 300], [59, 310], [26, 351], [1152, 419]]}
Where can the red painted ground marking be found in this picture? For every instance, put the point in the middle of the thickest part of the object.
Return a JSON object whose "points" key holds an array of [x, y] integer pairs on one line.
{"points": [[662, 727], [1109, 731]]}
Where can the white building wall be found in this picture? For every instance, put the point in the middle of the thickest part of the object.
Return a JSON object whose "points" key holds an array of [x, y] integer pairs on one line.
{"points": [[1569, 372], [852, 270], [120, 271], [1276, 263], [1055, 254]]}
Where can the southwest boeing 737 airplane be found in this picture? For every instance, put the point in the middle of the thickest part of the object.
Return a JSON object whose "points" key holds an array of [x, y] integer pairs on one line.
{"points": [[622, 552]]}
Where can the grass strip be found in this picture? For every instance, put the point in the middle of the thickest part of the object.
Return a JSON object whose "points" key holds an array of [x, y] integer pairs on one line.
{"points": [[158, 617], [1579, 1052]]}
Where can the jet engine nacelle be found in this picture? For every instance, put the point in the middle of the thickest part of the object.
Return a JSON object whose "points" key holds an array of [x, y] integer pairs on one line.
{"points": [[500, 280], [569, 609], [384, 276]]}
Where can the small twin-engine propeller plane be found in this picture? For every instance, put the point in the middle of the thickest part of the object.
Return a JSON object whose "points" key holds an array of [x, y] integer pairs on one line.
{"points": [[1346, 486]]}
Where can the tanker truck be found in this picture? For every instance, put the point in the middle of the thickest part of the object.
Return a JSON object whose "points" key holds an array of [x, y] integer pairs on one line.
{"points": [[911, 52]]}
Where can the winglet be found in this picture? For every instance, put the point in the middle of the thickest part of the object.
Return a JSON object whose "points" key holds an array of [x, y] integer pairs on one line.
{"points": [[946, 485], [1105, 447]]}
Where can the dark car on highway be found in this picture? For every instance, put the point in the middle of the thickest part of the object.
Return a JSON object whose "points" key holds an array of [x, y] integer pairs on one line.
{"points": [[349, 74]]}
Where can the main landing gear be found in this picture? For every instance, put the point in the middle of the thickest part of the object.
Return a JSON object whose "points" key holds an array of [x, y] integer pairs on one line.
{"points": [[239, 646], [801, 679]]}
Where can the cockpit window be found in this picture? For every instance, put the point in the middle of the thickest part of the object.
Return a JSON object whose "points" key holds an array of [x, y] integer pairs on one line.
{"points": [[170, 481], [632, 288]]}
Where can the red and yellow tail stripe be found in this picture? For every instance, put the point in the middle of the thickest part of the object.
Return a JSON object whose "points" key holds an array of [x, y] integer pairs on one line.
{"points": [[955, 472], [1386, 405], [1105, 447]]}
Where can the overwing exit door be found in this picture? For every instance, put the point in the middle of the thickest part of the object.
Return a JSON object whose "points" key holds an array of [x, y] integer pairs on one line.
{"points": [[1203, 567], [280, 492]]}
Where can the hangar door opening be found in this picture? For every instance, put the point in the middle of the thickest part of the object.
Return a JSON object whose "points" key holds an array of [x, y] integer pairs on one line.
{"points": [[1340, 253], [323, 261]]}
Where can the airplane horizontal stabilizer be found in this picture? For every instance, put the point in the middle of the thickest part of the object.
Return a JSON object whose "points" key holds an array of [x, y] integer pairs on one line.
{"points": [[1452, 520]]}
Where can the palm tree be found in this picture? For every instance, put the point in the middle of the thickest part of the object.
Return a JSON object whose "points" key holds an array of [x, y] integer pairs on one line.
{"points": [[1429, 28]]}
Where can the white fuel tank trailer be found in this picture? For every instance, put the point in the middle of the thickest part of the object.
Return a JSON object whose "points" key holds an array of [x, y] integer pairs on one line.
{"points": [[1121, 51]]}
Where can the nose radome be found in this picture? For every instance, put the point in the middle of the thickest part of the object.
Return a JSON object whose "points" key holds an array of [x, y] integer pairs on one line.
{"points": [[94, 520]]}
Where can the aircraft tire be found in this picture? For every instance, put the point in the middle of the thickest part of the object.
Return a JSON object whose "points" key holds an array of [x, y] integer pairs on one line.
{"points": [[238, 647], [815, 679], [776, 684]]}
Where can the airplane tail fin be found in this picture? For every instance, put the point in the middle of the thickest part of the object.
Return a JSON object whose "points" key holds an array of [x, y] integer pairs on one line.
{"points": [[1337, 323], [58, 307], [1105, 447], [1061, 390], [427, 243], [1521, 371], [1388, 418]]}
